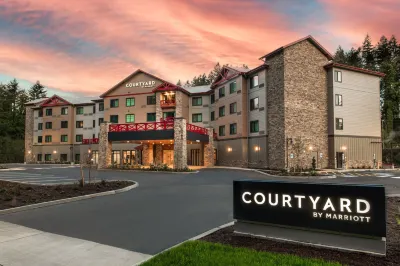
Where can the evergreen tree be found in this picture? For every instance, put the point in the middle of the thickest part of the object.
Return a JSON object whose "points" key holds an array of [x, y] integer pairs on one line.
{"points": [[367, 53], [37, 91], [187, 84], [354, 57], [340, 56], [179, 83], [382, 51]]}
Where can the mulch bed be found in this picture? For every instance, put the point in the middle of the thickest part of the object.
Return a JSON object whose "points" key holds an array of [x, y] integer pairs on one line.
{"points": [[17, 194], [226, 236]]}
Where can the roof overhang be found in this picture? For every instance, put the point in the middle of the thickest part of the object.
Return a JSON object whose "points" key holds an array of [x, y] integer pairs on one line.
{"points": [[356, 69], [55, 100]]}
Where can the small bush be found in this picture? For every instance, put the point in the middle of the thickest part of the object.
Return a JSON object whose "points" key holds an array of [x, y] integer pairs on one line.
{"points": [[103, 182], [313, 172], [17, 190]]}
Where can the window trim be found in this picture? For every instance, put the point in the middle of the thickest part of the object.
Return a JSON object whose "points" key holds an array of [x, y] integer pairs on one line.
{"points": [[130, 115], [336, 76], [258, 103], [114, 101], [230, 129], [338, 100], [337, 123], [197, 114], [258, 126], [196, 98], [130, 100]]}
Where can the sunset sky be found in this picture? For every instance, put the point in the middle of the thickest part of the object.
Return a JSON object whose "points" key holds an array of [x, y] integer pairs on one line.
{"points": [[87, 46]]}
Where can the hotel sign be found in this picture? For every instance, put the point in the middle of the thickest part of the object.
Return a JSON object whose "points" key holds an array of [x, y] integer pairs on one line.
{"points": [[142, 84]]}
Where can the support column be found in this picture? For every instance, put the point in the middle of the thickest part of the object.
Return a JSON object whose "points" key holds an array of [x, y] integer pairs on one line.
{"points": [[180, 143], [159, 154], [147, 154], [105, 147], [159, 113], [209, 149], [29, 120]]}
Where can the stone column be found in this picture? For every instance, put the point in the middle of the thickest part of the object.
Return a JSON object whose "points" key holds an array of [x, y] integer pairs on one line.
{"points": [[209, 149], [180, 143], [29, 122], [147, 154], [159, 154], [105, 147], [179, 104], [158, 107]]}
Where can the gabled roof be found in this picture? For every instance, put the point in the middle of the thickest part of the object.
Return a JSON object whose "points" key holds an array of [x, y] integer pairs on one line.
{"points": [[356, 69], [223, 75], [308, 38], [256, 69], [199, 89], [167, 86], [54, 100], [36, 101]]}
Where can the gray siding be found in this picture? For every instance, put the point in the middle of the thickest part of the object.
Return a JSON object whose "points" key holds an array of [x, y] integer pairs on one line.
{"points": [[260, 113]]}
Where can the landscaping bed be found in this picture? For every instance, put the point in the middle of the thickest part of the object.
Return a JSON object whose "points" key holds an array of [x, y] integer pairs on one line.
{"points": [[286, 173], [17, 194], [226, 236], [151, 168]]}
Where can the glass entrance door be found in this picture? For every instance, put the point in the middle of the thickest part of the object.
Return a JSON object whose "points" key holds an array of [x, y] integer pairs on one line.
{"points": [[168, 157]]}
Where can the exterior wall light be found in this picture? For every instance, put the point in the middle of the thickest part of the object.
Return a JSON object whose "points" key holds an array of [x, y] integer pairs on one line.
{"points": [[343, 148], [55, 152], [257, 148], [29, 152], [310, 148], [89, 151], [229, 149]]}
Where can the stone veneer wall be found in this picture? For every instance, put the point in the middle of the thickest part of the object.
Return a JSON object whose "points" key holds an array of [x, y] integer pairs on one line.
{"points": [[159, 154], [306, 100], [209, 149], [147, 155], [179, 104], [29, 121], [180, 143], [159, 112], [105, 147]]}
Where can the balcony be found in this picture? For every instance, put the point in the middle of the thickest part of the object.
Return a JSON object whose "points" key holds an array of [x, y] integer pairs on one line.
{"points": [[167, 103], [90, 141]]}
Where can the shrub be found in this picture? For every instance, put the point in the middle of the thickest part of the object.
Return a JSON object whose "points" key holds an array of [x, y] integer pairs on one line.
{"points": [[103, 182], [314, 163], [313, 172]]}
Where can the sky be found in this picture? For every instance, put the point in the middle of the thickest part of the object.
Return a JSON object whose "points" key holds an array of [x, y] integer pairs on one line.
{"points": [[85, 47]]}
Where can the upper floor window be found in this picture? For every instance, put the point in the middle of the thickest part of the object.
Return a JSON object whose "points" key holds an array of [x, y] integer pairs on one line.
{"points": [[151, 100], [338, 76], [130, 102], [101, 120], [232, 87], [254, 126], [221, 92], [338, 100], [101, 107], [39, 139], [151, 117], [94, 123], [79, 110], [254, 81], [253, 104], [114, 103], [167, 115], [64, 138], [233, 129], [64, 110], [48, 138], [114, 118], [339, 123], [40, 113], [130, 118], [212, 98], [197, 118], [221, 130], [94, 109], [78, 138], [212, 116], [79, 124], [64, 124], [197, 101], [222, 111], [232, 108], [49, 125], [49, 112], [40, 126]]}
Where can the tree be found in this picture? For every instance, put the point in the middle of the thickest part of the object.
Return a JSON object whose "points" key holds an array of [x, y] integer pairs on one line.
{"points": [[340, 56], [354, 57], [367, 53], [382, 51], [37, 91], [187, 84], [179, 83]]}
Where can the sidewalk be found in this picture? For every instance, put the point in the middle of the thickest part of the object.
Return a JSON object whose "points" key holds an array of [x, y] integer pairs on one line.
{"points": [[21, 245]]}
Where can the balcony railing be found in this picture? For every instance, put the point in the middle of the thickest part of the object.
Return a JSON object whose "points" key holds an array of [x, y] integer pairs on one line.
{"points": [[167, 103], [196, 129], [90, 141], [142, 126]]}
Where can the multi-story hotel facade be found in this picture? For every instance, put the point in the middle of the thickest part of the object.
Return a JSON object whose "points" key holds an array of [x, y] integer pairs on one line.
{"points": [[296, 106]]}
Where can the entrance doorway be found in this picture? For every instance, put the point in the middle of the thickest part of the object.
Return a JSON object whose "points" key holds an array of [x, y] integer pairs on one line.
{"points": [[168, 157], [339, 160], [128, 157], [195, 158]]}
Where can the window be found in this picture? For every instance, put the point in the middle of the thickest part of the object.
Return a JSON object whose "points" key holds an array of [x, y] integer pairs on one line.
{"points": [[40, 126], [232, 108], [40, 113], [254, 126], [94, 109], [222, 130], [64, 138], [101, 120], [114, 118], [79, 124], [48, 138], [338, 76], [78, 138], [338, 100], [39, 139], [114, 103], [212, 116], [130, 102], [339, 123], [168, 115], [64, 124], [232, 87], [79, 110], [212, 98], [254, 82], [253, 104], [94, 123], [130, 118], [64, 110], [63, 157], [39, 157], [151, 100], [233, 129], [49, 125], [116, 157], [101, 107], [49, 112], [77, 157], [221, 92], [47, 157], [151, 117], [222, 111], [197, 101], [197, 118]]}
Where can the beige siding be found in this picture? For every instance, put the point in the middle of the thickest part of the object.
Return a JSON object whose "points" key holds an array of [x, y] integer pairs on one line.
{"points": [[204, 109], [232, 152], [260, 113]]}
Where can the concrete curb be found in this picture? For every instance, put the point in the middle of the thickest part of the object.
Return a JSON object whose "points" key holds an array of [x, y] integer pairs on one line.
{"points": [[67, 200], [393, 195], [139, 171], [359, 170]]}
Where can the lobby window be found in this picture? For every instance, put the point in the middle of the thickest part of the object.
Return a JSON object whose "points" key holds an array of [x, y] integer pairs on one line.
{"points": [[254, 104], [130, 102], [39, 157], [64, 110], [40, 113], [39, 139], [130, 118], [79, 124], [233, 129], [197, 101], [232, 87], [338, 100], [64, 138], [40, 126], [49, 112], [254, 126], [47, 157], [222, 111], [114, 103], [116, 157], [151, 100], [79, 110], [254, 82], [114, 118], [101, 107], [212, 98], [151, 117], [101, 120], [221, 130], [78, 138], [212, 116], [197, 118], [94, 124], [63, 157], [339, 123], [221, 92], [48, 138], [232, 108], [49, 125], [338, 76], [64, 124]]}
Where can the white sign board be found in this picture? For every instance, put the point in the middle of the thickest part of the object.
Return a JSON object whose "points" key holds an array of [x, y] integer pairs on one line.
{"points": [[142, 84]]}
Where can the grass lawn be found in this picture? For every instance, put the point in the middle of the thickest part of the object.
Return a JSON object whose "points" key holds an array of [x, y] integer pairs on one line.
{"points": [[205, 253]]}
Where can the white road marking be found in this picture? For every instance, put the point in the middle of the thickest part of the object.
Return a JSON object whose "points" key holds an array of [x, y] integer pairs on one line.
{"points": [[397, 177]]}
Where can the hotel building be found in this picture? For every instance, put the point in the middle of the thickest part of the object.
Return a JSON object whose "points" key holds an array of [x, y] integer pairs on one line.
{"points": [[296, 106]]}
